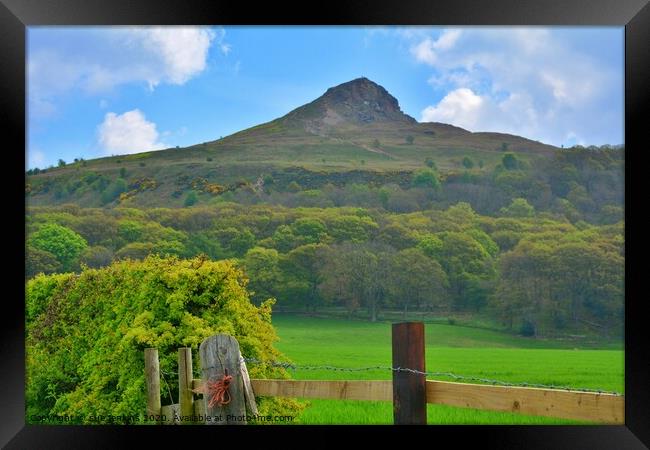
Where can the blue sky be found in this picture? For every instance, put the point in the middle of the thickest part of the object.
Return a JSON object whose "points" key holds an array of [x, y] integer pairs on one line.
{"points": [[97, 91]]}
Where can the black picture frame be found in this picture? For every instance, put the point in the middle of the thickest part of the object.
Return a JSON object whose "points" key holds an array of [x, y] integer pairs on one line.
{"points": [[16, 15]]}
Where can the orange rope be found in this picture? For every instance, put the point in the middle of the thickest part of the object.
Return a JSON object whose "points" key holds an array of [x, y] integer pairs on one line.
{"points": [[217, 391]]}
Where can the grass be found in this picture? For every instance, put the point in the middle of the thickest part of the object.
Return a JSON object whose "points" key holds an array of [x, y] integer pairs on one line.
{"points": [[269, 147], [457, 349]]}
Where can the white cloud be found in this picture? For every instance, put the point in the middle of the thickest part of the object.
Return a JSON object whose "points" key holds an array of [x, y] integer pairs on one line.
{"points": [[129, 132], [447, 39], [181, 51], [95, 62], [426, 50], [423, 52], [461, 107], [526, 81]]}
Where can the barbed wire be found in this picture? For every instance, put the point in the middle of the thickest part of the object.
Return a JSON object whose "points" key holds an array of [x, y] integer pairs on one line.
{"points": [[293, 366]]}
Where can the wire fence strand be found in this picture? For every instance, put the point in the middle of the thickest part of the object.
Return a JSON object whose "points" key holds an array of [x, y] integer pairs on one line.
{"points": [[457, 377]]}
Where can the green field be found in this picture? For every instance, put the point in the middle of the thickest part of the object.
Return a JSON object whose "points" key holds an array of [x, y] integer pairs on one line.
{"points": [[449, 348]]}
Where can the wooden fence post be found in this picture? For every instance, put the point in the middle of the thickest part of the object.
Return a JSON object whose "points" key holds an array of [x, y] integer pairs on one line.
{"points": [[152, 377], [409, 389], [220, 356], [185, 395]]}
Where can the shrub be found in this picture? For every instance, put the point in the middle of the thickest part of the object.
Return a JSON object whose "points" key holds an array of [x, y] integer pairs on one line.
{"points": [[60, 241], [190, 199], [426, 178], [86, 333], [114, 190], [509, 161]]}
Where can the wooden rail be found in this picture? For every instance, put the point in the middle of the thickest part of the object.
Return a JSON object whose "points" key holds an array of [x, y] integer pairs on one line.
{"points": [[577, 405], [588, 406]]}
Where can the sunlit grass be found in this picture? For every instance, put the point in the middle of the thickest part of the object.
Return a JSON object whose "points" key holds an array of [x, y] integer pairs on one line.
{"points": [[460, 350]]}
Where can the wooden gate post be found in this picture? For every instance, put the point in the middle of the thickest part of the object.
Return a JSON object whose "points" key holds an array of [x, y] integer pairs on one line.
{"points": [[220, 354], [409, 389], [152, 378], [185, 395]]}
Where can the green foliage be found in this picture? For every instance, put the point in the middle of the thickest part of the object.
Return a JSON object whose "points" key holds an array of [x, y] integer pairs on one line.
{"points": [[426, 178], [519, 208], [431, 245], [86, 333], [96, 257], [305, 249], [294, 187], [352, 228], [311, 230], [40, 261], [123, 172], [202, 243], [262, 268], [237, 241], [113, 191], [61, 163], [509, 161], [410, 139], [190, 199], [62, 242], [416, 280], [467, 162]]}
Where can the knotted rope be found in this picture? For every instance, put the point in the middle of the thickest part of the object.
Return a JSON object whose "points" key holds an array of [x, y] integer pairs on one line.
{"points": [[217, 390]]}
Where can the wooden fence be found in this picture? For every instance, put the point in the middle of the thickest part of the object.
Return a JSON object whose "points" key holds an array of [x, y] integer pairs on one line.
{"points": [[409, 390]]}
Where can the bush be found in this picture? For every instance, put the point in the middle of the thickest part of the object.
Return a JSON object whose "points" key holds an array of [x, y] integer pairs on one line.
{"points": [[114, 190], [86, 333], [60, 241], [509, 161], [427, 178], [190, 199]]}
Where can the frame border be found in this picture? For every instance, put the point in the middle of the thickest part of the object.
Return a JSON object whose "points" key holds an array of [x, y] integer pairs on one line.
{"points": [[16, 15]]}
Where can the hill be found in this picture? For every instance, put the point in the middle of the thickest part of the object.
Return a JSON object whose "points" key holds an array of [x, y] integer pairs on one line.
{"points": [[354, 133]]}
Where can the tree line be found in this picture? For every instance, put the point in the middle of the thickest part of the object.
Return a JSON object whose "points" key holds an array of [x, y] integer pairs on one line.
{"points": [[535, 273]]}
